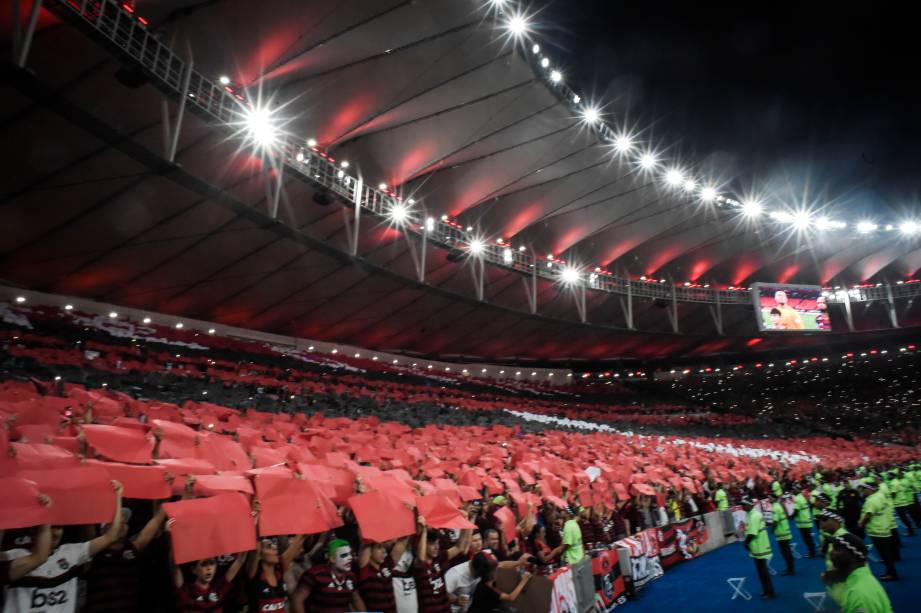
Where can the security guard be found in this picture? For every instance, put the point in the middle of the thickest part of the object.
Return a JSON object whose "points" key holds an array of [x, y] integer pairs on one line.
{"points": [[803, 520], [876, 518], [783, 534], [850, 582], [758, 545]]}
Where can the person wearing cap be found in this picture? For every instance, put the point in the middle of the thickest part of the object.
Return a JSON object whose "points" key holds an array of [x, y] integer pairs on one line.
{"points": [[113, 582], [330, 587], [831, 525], [783, 535], [876, 520], [850, 582], [572, 538], [52, 586], [803, 520], [758, 545], [266, 570]]}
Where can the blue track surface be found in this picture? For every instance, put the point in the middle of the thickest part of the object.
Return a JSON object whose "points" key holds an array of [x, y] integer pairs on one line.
{"points": [[700, 585]]}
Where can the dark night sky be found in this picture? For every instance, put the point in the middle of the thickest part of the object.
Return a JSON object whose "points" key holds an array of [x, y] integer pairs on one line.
{"points": [[777, 92]]}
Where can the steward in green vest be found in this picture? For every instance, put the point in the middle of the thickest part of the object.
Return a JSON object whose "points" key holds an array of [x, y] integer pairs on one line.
{"points": [[758, 545], [876, 517], [781, 525], [803, 519], [850, 582], [721, 499], [830, 525], [903, 495]]}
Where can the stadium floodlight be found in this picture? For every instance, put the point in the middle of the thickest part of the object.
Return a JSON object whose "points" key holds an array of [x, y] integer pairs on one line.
{"points": [[801, 220], [344, 163], [545, 62], [623, 143], [690, 185], [180, 325], [576, 99], [113, 315], [708, 193], [570, 275], [752, 208], [556, 76], [535, 49], [865, 227], [146, 320], [211, 330], [507, 256], [674, 177], [517, 25], [382, 186], [311, 142], [68, 307], [398, 213], [591, 115], [648, 161], [476, 246], [224, 79], [20, 299], [260, 126], [909, 228], [430, 224]]}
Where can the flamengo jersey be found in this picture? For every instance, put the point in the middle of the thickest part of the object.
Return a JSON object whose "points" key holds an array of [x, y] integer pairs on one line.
{"points": [[50, 588]]}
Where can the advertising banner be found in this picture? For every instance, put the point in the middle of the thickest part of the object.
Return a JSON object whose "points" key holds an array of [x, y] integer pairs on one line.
{"points": [[643, 548], [681, 541]]}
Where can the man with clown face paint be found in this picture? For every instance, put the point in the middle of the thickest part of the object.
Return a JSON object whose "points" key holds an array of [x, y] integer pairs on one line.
{"points": [[330, 587]]}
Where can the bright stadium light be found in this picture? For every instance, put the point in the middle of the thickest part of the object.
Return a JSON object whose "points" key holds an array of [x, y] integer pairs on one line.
{"points": [[476, 246], [20, 299], [382, 186], [674, 177], [570, 275], [909, 228], [68, 307], [751, 208], [865, 227], [507, 256], [224, 79], [398, 213], [517, 25], [260, 126], [623, 143], [690, 185], [591, 115], [801, 220], [576, 99], [311, 142], [430, 224], [648, 161], [545, 62], [535, 49], [708, 193], [556, 76]]}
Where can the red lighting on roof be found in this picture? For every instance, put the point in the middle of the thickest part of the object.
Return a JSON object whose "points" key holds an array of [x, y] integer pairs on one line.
{"points": [[873, 352], [128, 7], [911, 347], [757, 364], [814, 360], [754, 341]]}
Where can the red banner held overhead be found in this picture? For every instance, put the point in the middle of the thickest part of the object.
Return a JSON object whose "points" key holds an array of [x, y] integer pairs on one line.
{"points": [[382, 516], [210, 527], [21, 508], [142, 482], [82, 495], [127, 445], [293, 506]]}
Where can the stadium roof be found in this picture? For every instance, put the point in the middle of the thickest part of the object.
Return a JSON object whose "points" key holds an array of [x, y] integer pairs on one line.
{"points": [[434, 99]]}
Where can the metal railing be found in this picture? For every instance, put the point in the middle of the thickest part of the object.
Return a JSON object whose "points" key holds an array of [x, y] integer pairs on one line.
{"points": [[120, 30]]}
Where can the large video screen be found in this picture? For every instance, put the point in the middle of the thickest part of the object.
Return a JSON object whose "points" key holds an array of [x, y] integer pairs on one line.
{"points": [[790, 308]]}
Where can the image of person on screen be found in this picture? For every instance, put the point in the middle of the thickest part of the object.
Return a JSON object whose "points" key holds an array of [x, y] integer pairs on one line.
{"points": [[822, 321], [775, 319], [789, 318]]}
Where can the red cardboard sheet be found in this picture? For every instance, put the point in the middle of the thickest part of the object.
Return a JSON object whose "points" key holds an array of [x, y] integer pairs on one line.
{"points": [[440, 513], [82, 495], [20, 508], [210, 485], [209, 527], [382, 516], [293, 506], [506, 520], [38, 456], [143, 482], [120, 444]]}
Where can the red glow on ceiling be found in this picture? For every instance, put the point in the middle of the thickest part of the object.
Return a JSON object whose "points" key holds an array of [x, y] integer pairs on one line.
{"points": [[698, 269], [661, 258], [404, 168], [788, 273], [572, 236], [347, 115], [744, 269]]}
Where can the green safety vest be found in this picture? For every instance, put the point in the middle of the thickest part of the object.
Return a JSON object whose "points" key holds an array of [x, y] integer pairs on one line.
{"points": [[776, 489], [721, 499], [903, 492], [781, 523], [879, 507], [803, 517], [760, 546], [862, 593]]}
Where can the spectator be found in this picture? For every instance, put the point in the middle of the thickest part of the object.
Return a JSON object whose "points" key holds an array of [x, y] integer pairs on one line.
{"points": [[487, 597], [573, 551], [15, 569], [430, 567], [59, 570], [206, 592], [266, 570], [330, 587], [375, 575]]}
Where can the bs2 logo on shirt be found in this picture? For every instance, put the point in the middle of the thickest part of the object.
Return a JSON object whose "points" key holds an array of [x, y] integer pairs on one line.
{"points": [[52, 598]]}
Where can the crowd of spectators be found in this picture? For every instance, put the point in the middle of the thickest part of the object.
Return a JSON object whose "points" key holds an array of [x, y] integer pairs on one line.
{"points": [[177, 474]]}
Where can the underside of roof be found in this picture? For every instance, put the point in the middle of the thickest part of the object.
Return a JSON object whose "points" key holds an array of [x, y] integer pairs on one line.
{"points": [[431, 99]]}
